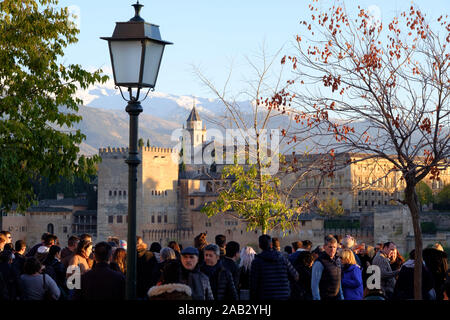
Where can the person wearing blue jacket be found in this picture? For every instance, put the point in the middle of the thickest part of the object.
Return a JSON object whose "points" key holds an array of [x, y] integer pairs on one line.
{"points": [[352, 284]]}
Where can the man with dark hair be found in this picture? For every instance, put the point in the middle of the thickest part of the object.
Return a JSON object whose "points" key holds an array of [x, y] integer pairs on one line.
{"points": [[229, 261], [221, 241], [34, 249], [269, 273], [19, 256], [296, 245], [382, 260], [220, 279], [101, 282], [306, 245], [86, 236], [72, 244], [42, 251], [326, 273]]}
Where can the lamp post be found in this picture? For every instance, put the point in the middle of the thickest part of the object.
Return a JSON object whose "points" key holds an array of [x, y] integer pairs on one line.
{"points": [[136, 49]]}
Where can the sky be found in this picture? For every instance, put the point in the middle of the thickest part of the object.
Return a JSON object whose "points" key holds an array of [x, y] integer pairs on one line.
{"points": [[211, 35]]}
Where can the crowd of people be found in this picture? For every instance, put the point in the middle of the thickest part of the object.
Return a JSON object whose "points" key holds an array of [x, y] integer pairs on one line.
{"points": [[334, 270]]}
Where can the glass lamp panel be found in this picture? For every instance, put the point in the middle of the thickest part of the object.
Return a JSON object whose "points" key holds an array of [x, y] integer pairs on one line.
{"points": [[153, 54], [127, 60]]}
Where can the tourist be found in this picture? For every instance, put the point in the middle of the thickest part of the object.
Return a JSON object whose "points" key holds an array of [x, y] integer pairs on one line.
{"points": [[437, 263], [167, 255], [155, 248], [3, 241], [348, 242], [175, 247], [352, 283], [396, 260], [55, 269], [69, 251], [301, 289], [7, 235], [438, 246], [119, 261], [200, 243], [404, 286], [101, 282], [269, 273], [220, 279], [37, 286], [9, 275], [288, 250], [170, 286], [221, 241], [80, 258], [193, 277], [378, 247], [232, 255], [247, 255], [365, 258], [42, 251], [276, 244], [374, 294], [19, 256], [145, 265], [326, 273], [317, 252], [296, 245], [305, 246], [381, 259]]}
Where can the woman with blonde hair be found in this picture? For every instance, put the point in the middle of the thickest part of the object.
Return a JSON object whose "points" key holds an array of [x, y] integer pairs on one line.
{"points": [[352, 285], [247, 256]]}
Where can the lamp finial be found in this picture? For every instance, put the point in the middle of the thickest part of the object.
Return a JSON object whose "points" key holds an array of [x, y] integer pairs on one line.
{"points": [[137, 8]]}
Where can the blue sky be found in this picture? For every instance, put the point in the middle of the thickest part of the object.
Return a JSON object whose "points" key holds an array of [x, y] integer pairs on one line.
{"points": [[209, 34]]}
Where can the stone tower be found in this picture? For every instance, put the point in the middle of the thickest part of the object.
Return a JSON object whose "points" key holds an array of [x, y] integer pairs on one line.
{"points": [[197, 133]]}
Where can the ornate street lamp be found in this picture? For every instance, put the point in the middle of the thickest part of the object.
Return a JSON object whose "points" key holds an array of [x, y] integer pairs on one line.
{"points": [[136, 50]]}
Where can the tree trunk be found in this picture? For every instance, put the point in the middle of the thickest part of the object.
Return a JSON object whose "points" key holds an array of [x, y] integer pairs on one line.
{"points": [[411, 201]]}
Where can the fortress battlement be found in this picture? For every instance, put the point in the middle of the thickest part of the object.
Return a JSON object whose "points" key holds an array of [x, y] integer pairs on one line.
{"points": [[105, 152]]}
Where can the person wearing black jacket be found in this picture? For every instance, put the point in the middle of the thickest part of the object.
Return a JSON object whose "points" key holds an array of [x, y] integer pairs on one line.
{"points": [[229, 261], [301, 289], [269, 273], [220, 279], [19, 258], [101, 282], [404, 286], [9, 275], [193, 277], [436, 261], [55, 269], [145, 264]]}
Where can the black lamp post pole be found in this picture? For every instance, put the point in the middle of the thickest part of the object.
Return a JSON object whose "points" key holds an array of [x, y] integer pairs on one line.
{"points": [[134, 108]]}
